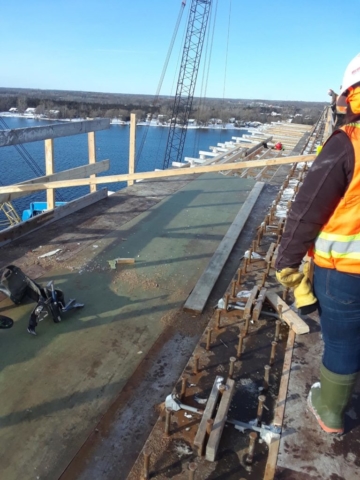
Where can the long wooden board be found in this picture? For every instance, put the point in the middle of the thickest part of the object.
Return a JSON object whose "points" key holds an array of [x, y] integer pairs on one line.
{"points": [[220, 419], [77, 172], [290, 317], [207, 415], [198, 297], [160, 174]]}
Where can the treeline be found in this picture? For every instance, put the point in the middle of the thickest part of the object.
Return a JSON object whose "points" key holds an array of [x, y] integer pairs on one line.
{"points": [[73, 104]]}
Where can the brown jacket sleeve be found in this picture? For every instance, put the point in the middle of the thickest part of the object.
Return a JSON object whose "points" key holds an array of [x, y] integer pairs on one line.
{"points": [[323, 187]]}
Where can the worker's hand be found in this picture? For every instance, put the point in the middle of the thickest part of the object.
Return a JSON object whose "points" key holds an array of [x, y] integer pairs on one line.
{"points": [[303, 292], [289, 277]]}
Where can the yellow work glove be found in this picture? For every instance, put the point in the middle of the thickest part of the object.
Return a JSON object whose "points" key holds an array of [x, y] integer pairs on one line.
{"points": [[303, 292], [289, 277]]}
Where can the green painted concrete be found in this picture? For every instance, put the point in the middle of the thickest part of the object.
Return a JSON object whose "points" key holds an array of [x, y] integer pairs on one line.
{"points": [[55, 387]]}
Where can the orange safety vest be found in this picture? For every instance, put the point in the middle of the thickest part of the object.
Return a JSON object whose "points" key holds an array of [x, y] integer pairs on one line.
{"points": [[338, 244]]}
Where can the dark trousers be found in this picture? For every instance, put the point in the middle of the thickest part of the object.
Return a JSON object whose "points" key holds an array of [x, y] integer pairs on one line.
{"points": [[338, 294]]}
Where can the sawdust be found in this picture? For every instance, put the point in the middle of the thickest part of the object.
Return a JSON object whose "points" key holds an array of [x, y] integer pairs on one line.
{"points": [[134, 280]]}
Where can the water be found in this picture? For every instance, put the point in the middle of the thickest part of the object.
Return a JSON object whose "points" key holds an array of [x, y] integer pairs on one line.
{"points": [[112, 144]]}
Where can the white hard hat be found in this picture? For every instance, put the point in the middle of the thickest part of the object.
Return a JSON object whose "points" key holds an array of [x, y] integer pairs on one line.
{"points": [[351, 77]]}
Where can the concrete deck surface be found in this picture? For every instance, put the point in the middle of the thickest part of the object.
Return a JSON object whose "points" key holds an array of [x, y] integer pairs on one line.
{"points": [[55, 387]]}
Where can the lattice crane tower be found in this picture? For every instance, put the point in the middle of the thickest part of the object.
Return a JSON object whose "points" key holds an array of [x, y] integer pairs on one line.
{"points": [[193, 45]]}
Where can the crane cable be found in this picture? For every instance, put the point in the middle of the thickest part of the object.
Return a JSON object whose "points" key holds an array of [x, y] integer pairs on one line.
{"points": [[183, 3], [226, 57]]}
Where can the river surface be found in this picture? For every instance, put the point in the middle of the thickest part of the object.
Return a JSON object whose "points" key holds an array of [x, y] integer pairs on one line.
{"points": [[112, 144]]}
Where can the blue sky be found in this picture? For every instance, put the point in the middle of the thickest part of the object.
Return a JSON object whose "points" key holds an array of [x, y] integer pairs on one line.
{"points": [[277, 50]]}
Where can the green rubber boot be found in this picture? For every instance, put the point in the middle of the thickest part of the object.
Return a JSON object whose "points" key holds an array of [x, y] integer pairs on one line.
{"points": [[328, 399]]}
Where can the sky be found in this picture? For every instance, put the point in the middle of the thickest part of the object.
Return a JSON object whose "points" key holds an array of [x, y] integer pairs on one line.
{"points": [[267, 49]]}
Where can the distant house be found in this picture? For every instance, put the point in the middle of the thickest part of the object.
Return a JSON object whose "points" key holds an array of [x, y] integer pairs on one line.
{"points": [[54, 113], [13, 110], [30, 111]]}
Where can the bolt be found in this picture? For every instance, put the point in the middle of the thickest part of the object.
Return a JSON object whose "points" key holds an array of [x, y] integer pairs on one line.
{"points": [[240, 345], [272, 354], [250, 455], [147, 455], [260, 409], [192, 470], [209, 425], [196, 364], [233, 288], [232, 366], [218, 315], [167, 421], [183, 387], [266, 377], [277, 330], [208, 338]]}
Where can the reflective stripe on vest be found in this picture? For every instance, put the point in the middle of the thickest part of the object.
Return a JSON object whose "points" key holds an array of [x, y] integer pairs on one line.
{"points": [[338, 244]]}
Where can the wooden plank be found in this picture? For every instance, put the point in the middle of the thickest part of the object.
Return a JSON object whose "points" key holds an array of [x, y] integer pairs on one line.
{"points": [[290, 317], [250, 301], [270, 468], [9, 234], [270, 252], [198, 297], [77, 172], [132, 146], [259, 304], [161, 173], [219, 423], [49, 170], [92, 157], [207, 415], [56, 130]]}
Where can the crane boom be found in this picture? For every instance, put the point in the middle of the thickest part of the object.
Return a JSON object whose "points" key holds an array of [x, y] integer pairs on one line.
{"points": [[193, 45]]}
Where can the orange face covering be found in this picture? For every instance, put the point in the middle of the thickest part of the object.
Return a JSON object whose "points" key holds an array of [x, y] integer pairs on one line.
{"points": [[354, 99]]}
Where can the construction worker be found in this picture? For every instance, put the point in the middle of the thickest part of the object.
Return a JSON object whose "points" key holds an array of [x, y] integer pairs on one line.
{"points": [[324, 220]]}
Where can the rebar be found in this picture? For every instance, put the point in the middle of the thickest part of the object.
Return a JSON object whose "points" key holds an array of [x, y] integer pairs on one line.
{"points": [[233, 288], [217, 323], [232, 366], [277, 330], [272, 354], [196, 364], [247, 324], [240, 345], [250, 455], [208, 339], [209, 425], [192, 470], [167, 421], [183, 387], [227, 296], [146, 472], [260, 409], [285, 294], [239, 276], [267, 369]]}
